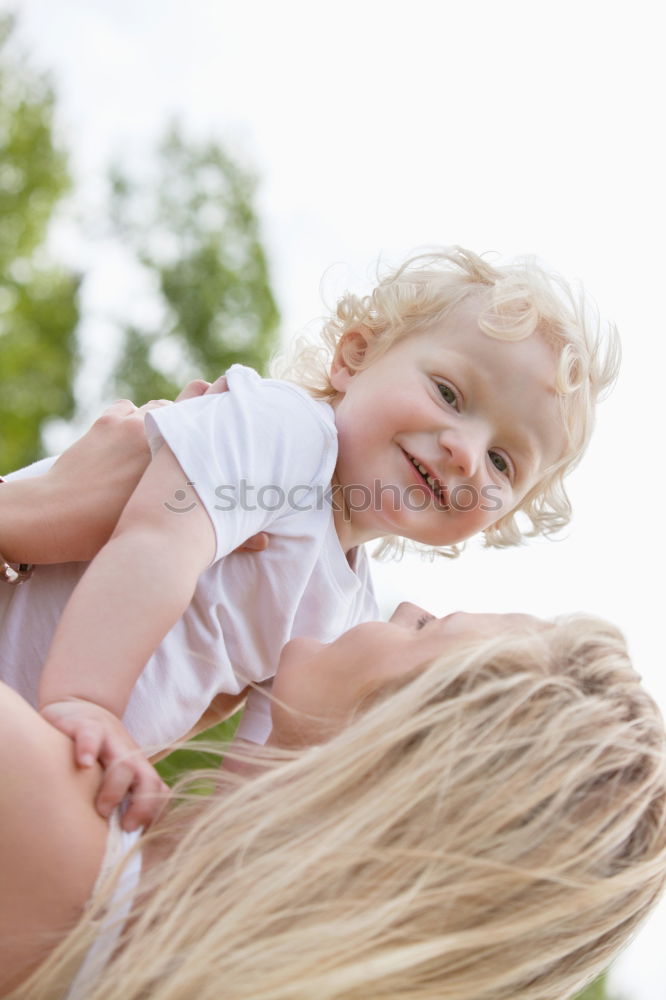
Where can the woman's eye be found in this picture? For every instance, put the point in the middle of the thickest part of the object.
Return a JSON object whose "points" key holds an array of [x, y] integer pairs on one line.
{"points": [[447, 394], [499, 462]]}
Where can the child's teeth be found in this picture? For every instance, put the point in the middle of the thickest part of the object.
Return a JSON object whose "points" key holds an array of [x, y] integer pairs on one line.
{"points": [[432, 483]]}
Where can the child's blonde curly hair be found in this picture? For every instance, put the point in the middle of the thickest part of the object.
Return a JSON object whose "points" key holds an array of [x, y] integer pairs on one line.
{"points": [[516, 300]]}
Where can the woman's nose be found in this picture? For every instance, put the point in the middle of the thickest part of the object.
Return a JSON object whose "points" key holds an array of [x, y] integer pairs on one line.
{"points": [[407, 615]]}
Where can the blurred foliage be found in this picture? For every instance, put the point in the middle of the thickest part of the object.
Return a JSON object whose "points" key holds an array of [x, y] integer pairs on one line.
{"points": [[190, 759], [189, 228], [194, 230], [38, 299]]}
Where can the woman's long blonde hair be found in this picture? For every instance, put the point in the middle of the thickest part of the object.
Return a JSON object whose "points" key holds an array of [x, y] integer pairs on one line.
{"points": [[493, 828]]}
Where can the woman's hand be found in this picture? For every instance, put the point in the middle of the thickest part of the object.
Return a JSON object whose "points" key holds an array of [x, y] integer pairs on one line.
{"points": [[90, 483]]}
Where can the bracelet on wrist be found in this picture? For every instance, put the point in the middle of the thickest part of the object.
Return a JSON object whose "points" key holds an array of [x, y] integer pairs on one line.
{"points": [[13, 573]]}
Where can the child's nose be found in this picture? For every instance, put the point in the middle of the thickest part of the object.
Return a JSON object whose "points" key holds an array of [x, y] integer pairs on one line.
{"points": [[463, 449]]}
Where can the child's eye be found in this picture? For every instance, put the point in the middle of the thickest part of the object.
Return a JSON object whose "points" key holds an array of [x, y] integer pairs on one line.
{"points": [[499, 462], [448, 394]]}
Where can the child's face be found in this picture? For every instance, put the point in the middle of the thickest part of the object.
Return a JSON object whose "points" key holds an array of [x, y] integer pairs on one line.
{"points": [[479, 415]]}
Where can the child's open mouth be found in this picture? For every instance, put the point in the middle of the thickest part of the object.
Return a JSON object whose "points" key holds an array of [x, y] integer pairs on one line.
{"points": [[433, 484]]}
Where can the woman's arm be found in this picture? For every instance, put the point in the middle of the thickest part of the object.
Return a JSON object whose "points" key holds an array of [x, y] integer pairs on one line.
{"points": [[69, 512], [52, 843]]}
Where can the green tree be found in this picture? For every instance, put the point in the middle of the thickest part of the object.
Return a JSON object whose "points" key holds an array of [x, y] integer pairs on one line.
{"points": [[38, 299], [193, 228]]}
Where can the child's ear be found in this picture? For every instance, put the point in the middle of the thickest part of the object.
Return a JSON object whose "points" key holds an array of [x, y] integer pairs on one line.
{"points": [[349, 355]]}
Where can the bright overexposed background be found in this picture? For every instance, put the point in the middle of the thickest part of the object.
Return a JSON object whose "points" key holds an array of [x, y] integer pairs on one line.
{"points": [[378, 127]]}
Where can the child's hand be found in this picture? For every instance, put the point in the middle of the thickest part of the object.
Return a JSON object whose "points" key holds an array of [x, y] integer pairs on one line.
{"points": [[99, 736]]}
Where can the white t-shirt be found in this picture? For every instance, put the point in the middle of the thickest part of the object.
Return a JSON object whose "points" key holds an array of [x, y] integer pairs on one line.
{"points": [[260, 457]]}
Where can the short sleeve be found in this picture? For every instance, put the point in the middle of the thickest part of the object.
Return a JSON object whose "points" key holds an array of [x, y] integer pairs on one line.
{"points": [[262, 451], [256, 722]]}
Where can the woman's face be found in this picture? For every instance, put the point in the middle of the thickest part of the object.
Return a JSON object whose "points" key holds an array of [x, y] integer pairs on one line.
{"points": [[320, 684]]}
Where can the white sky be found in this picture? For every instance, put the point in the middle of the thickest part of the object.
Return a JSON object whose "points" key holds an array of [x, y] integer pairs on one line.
{"points": [[378, 127]]}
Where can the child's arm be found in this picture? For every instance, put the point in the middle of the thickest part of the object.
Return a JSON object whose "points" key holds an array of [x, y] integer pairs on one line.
{"points": [[134, 590]]}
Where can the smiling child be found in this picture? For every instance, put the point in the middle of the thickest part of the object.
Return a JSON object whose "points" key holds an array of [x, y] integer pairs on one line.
{"points": [[453, 397]]}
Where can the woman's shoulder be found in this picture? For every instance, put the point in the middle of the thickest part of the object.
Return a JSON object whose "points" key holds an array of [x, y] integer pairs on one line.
{"points": [[53, 839]]}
